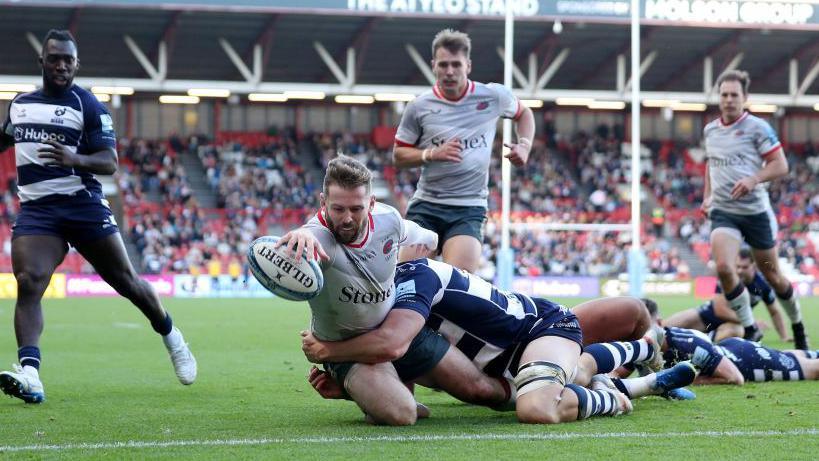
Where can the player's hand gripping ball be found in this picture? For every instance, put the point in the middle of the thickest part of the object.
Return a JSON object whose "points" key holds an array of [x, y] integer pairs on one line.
{"points": [[294, 279]]}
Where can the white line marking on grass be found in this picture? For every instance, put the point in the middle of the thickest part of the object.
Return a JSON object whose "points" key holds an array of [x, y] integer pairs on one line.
{"points": [[128, 325], [404, 438]]}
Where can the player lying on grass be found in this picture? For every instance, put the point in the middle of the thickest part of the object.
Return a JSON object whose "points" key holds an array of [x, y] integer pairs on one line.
{"points": [[716, 316], [736, 360], [534, 342]]}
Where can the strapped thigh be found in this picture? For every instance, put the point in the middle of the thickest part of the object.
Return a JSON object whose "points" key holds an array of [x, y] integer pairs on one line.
{"points": [[541, 373]]}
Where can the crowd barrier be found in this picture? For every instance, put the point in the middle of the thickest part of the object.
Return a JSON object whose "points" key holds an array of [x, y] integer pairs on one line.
{"points": [[225, 286]]}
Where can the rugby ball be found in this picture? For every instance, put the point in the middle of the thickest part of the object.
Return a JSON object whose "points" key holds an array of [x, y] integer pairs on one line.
{"points": [[284, 276]]}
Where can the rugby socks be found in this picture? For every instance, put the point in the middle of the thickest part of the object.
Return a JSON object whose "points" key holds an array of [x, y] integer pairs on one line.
{"points": [[812, 354], [611, 356], [740, 302], [790, 302], [29, 356], [636, 387], [164, 326], [591, 403]]}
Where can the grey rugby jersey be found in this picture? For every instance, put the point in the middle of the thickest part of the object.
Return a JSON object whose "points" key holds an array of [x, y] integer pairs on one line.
{"points": [[359, 286], [431, 120], [736, 151]]}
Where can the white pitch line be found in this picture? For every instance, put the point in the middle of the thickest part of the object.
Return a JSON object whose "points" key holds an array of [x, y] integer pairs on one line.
{"points": [[403, 438]]}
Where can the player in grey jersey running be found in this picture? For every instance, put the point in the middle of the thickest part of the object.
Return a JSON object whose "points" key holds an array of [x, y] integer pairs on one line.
{"points": [[449, 132], [744, 153]]}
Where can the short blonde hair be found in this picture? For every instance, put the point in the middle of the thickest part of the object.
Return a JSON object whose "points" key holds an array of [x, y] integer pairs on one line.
{"points": [[453, 40]]}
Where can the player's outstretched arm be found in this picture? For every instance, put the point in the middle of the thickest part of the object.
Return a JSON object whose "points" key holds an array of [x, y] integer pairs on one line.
{"points": [[386, 343]]}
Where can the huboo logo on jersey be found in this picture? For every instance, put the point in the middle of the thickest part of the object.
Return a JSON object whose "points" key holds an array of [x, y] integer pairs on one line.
{"points": [[294, 279], [36, 135]]}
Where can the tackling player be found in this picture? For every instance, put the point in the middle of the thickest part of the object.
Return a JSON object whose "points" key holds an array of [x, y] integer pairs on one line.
{"points": [[533, 342]]}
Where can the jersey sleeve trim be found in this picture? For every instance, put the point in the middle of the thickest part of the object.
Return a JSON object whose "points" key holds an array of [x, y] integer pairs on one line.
{"points": [[519, 111], [772, 150], [401, 143]]}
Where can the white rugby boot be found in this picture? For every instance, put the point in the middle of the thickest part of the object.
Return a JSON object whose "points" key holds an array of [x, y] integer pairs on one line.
{"points": [[184, 364], [23, 383]]}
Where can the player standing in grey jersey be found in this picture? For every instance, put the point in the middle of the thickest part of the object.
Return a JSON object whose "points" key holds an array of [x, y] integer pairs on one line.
{"points": [[744, 153], [449, 131]]}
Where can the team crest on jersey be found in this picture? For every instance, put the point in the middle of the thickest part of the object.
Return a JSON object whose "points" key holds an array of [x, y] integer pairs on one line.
{"points": [[786, 361], [59, 112], [388, 246], [482, 105]]}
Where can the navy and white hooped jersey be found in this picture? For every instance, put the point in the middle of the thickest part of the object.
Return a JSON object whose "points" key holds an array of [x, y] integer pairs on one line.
{"points": [[75, 119], [477, 317], [759, 289], [759, 363], [686, 344], [755, 361]]}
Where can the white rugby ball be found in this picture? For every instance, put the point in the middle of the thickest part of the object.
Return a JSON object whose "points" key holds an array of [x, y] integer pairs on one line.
{"points": [[296, 280]]}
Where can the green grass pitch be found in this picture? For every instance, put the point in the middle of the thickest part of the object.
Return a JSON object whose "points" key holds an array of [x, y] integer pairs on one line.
{"points": [[111, 393]]}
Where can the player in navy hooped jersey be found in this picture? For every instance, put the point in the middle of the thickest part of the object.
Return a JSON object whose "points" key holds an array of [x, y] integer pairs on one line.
{"points": [[63, 136], [736, 360], [718, 319]]}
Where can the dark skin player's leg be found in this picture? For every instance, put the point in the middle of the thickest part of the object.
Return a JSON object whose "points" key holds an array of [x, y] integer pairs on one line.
{"points": [[110, 260], [604, 320], [33, 260]]}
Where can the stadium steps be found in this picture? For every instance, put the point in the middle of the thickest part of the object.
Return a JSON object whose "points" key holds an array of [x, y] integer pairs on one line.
{"points": [[687, 254], [196, 176], [697, 266]]}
